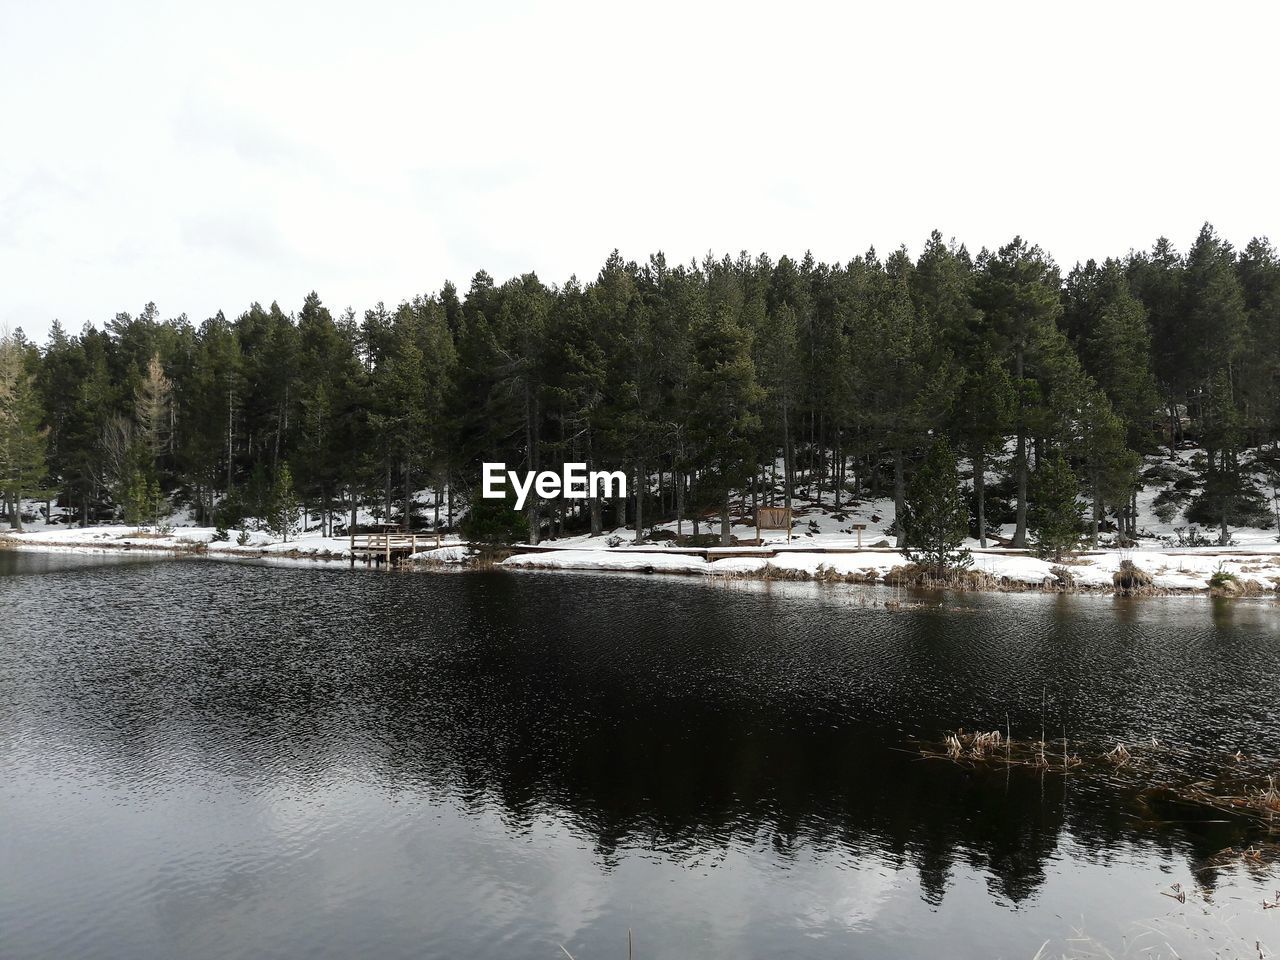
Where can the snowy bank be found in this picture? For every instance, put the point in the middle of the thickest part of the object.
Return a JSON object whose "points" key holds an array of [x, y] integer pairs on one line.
{"points": [[1170, 571], [178, 540]]}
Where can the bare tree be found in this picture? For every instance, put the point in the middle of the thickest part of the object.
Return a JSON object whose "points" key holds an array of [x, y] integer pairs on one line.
{"points": [[116, 448], [152, 402]]}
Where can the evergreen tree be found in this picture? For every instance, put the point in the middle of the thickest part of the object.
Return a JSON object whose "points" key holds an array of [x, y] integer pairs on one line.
{"points": [[724, 397], [1018, 290], [1108, 326], [282, 508], [1259, 378], [22, 436], [1054, 516], [935, 517], [494, 523]]}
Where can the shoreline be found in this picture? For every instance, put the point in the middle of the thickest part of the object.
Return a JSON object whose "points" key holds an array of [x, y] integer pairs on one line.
{"points": [[1255, 572]]}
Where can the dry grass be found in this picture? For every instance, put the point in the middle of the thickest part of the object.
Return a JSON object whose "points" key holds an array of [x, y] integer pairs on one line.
{"points": [[1196, 927], [994, 747], [1131, 580], [1152, 773]]}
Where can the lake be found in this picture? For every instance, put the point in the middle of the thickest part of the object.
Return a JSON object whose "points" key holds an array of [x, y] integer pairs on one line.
{"points": [[205, 759]]}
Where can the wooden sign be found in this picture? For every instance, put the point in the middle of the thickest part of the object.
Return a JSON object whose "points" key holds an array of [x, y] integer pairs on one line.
{"points": [[773, 518]]}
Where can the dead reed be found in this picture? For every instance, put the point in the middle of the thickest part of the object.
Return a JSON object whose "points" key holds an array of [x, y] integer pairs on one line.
{"points": [[1153, 773]]}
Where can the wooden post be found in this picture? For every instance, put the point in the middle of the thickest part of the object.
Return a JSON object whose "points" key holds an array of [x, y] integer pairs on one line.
{"points": [[387, 539], [353, 545]]}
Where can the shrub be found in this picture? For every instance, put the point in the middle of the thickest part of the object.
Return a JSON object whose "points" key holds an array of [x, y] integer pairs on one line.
{"points": [[492, 523], [1224, 581], [1167, 504], [1131, 579]]}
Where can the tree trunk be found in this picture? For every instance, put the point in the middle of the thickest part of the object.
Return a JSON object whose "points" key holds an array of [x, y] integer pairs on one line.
{"points": [[639, 495], [679, 480], [386, 517], [1096, 522], [980, 491], [726, 536], [788, 457], [406, 520], [597, 518], [1020, 461], [899, 496]]}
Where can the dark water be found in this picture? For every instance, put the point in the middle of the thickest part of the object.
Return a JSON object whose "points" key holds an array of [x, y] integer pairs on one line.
{"points": [[207, 760]]}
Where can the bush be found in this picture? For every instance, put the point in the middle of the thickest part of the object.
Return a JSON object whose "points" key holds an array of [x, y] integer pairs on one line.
{"points": [[1131, 579], [242, 538], [1191, 537], [1168, 504], [491, 523], [1224, 581]]}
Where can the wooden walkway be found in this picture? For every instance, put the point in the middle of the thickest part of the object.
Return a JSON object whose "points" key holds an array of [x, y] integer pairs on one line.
{"points": [[390, 549]]}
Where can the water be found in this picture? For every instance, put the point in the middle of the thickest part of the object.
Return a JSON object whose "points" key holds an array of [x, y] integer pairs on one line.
{"points": [[203, 760]]}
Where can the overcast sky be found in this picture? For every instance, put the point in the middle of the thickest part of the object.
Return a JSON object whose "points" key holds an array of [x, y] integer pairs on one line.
{"points": [[208, 156]]}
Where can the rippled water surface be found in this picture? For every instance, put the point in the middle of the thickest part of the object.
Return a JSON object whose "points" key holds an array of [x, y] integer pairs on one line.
{"points": [[208, 760]]}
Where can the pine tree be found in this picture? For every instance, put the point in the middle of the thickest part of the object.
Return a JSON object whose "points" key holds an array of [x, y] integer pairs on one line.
{"points": [[1259, 269], [723, 418], [1018, 290], [1054, 515], [1109, 328], [935, 517], [494, 523], [23, 469], [282, 511]]}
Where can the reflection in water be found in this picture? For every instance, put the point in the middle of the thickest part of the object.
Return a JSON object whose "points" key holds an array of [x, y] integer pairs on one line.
{"points": [[210, 760]]}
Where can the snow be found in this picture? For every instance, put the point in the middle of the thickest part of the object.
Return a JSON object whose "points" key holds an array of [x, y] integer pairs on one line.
{"points": [[1170, 571], [179, 539], [450, 554], [823, 542]]}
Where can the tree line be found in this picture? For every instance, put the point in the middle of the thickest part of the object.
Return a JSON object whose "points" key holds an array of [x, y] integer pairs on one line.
{"points": [[765, 381]]}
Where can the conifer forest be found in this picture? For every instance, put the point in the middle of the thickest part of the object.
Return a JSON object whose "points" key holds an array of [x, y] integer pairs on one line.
{"points": [[716, 385]]}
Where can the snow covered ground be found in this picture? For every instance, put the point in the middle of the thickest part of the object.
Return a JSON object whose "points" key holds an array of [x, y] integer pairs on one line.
{"points": [[1177, 571], [1254, 557], [177, 539], [823, 543]]}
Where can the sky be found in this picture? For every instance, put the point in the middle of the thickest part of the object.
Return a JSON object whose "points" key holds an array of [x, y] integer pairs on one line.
{"points": [[206, 157]]}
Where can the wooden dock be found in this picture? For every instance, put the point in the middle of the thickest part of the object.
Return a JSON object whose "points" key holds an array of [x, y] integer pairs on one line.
{"points": [[390, 549]]}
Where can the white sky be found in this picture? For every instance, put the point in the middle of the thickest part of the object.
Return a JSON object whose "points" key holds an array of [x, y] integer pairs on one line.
{"points": [[205, 156]]}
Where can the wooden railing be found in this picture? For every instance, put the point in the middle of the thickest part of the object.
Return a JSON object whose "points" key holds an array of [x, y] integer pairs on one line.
{"points": [[390, 545]]}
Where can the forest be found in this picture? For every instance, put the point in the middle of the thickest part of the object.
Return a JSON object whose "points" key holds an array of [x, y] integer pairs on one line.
{"points": [[716, 386]]}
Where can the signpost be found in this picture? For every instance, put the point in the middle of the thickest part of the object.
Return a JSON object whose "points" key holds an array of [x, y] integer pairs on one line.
{"points": [[773, 518]]}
